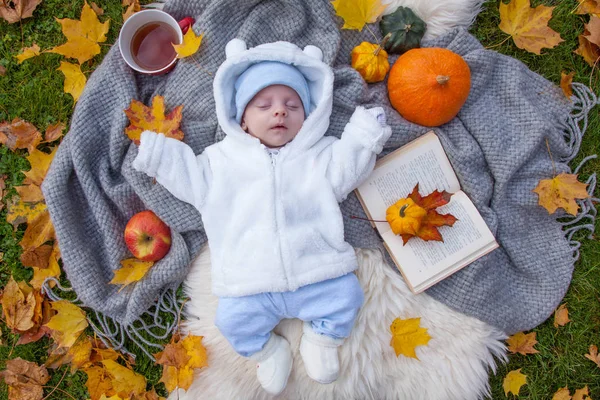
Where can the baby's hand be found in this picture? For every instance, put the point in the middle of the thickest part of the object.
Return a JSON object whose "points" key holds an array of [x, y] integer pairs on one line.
{"points": [[378, 113]]}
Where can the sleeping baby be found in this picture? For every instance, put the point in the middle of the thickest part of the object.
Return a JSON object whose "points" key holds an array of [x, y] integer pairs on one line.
{"points": [[269, 196]]}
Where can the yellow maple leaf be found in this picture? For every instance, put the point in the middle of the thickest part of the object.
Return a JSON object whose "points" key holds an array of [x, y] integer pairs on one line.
{"points": [[132, 270], [18, 307], [98, 383], [582, 394], [67, 324], [82, 35], [125, 381], [406, 335], [74, 79], [133, 6], [561, 316], [357, 13], [40, 162], [21, 212], [153, 118], [194, 348], [513, 381], [28, 52], [561, 191], [53, 270], [190, 44], [562, 394], [179, 359], [38, 232], [528, 26], [522, 343]]}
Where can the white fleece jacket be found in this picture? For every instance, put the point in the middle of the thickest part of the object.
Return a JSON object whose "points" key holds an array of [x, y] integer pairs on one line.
{"points": [[273, 222]]}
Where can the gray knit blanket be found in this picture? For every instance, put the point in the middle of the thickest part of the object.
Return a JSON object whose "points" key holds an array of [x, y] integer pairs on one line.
{"points": [[496, 144]]}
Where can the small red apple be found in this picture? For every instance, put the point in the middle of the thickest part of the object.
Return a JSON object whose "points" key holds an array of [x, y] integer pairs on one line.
{"points": [[147, 236]]}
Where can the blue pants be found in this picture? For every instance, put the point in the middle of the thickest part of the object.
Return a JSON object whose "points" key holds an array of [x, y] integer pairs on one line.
{"points": [[331, 306]]}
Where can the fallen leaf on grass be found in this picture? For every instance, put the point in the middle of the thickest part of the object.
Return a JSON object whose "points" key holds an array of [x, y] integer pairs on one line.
{"points": [[562, 394], [28, 52], [54, 132], [98, 383], [25, 379], [132, 270], [589, 42], [19, 134], [68, 323], [357, 13], [38, 257], [513, 381], [561, 191], [528, 26], [153, 118], [99, 11], [133, 6], [125, 381], [582, 394], [179, 359], [566, 80], [2, 70], [407, 335], [82, 36], [74, 79], [53, 269], [40, 162], [561, 316], [30, 193], [588, 7], [593, 356], [190, 44], [522, 343], [15, 10], [20, 212], [38, 232], [18, 306]]}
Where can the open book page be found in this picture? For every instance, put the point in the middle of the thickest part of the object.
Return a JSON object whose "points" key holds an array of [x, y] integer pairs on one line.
{"points": [[425, 263], [421, 161]]}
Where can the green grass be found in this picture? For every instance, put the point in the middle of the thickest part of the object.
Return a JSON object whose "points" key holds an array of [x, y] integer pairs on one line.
{"points": [[33, 91]]}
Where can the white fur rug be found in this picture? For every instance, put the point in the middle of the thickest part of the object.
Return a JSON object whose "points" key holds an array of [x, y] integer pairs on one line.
{"points": [[454, 365]]}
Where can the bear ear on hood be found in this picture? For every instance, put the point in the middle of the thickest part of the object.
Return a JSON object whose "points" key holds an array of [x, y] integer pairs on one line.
{"points": [[314, 52], [235, 46]]}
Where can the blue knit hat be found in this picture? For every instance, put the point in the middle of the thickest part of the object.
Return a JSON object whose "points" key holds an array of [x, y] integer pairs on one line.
{"points": [[266, 73]]}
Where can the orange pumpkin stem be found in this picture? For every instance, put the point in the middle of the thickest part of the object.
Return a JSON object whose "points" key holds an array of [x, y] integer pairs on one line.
{"points": [[442, 79], [404, 207]]}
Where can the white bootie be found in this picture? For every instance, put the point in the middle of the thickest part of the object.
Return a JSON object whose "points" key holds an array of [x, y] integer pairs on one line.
{"points": [[320, 355], [274, 364]]}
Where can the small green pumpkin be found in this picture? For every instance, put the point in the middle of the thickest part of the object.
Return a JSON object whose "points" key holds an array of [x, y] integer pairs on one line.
{"points": [[406, 28]]}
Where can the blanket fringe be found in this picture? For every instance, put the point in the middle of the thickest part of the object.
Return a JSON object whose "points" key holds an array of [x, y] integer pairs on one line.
{"points": [[583, 101], [146, 332]]}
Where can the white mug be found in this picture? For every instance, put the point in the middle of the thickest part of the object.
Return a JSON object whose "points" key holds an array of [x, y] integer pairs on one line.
{"points": [[138, 20]]}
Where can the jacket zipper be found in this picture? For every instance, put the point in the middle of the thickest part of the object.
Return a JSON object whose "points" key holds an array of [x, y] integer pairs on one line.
{"points": [[273, 164]]}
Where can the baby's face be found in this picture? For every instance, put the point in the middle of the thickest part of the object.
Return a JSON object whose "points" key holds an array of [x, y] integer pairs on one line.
{"points": [[274, 115]]}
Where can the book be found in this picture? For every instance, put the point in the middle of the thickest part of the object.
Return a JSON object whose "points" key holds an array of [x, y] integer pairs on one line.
{"points": [[425, 263]]}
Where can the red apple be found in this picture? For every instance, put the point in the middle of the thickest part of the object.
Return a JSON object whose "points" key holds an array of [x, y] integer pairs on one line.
{"points": [[147, 236]]}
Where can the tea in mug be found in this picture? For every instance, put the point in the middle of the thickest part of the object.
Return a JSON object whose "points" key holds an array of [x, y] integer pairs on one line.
{"points": [[152, 45]]}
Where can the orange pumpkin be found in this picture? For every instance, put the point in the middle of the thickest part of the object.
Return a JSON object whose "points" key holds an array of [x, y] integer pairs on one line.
{"points": [[405, 216], [371, 61], [428, 86]]}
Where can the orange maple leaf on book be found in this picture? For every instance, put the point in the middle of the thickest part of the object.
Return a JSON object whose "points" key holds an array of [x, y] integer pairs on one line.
{"points": [[417, 216]]}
